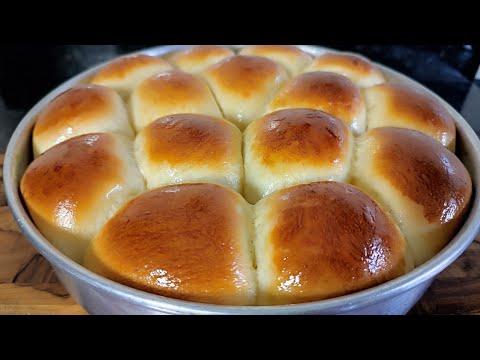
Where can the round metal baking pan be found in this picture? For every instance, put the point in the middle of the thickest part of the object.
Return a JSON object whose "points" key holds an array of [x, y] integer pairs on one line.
{"points": [[99, 295]]}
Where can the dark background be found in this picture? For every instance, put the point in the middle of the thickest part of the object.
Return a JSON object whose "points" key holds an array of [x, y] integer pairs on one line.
{"points": [[29, 72]]}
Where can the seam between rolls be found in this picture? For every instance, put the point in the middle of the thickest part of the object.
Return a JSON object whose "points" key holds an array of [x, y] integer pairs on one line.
{"points": [[376, 197], [253, 250], [207, 83]]}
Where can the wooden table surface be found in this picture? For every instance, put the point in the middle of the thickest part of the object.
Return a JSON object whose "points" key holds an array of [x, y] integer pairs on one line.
{"points": [[28, 284]]}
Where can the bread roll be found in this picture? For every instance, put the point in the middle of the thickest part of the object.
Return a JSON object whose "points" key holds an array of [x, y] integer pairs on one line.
{"points": [[75, 187], [171, 92], [80, 110], [243, 86], [424, 185], [198, 58], [294, 146], [189, 241], [355, 67], [126, 72], [332, 93], [290, 57], [321, 240], [405, 106], [187, 148]]}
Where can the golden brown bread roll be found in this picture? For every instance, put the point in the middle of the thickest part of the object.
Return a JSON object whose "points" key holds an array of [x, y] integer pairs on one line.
{"points": [[171, 92], [321, 240], [124, 73], [73, 188], [198, 58], [423, 184], [290, 57], [405, 106], [355, 67], [187, 148], [189, 241], [294, 146], [243, 86], [80, 110], [332, 93]]}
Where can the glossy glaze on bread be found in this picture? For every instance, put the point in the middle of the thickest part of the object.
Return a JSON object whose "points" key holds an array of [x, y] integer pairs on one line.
{"points": [[425, 186], [190, 148], [293, 146], [324, 239], [188, 241], [357, 68], [170, 92], [405, 106], [332, 93], [73, 188], [243, 86], [150, 162], [81, 110]]}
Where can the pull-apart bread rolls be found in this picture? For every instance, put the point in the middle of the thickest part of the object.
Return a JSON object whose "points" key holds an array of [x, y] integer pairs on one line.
{"points": [[332, 93], [355, 67], [294, 146], [424, 185], [75, 187], [80, 110], [290, 57], [171, 92], [125, 73], [321, 240], [262, 175], [198, 58], [405, 106], [189, 241], [243, 86], [187, 148]]}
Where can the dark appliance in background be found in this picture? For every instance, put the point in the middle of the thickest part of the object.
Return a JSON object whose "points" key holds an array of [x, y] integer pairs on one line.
{"points": [[28, 72]]}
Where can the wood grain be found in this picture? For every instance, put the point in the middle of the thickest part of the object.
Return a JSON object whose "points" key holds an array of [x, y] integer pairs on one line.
{"points": [[28, 284], [457, 289], [37, 298]]}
